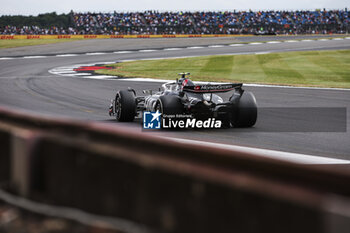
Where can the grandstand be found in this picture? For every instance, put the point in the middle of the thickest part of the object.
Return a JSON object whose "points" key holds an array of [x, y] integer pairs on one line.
{"points": [[158, 23]]}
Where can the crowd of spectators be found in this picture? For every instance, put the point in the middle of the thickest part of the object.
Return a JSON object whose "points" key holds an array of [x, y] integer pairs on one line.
{"points": [[228, 22]]}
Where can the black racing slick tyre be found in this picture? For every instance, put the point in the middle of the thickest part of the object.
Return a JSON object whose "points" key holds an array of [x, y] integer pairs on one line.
{"points": [[246, 112], [125, 106], [169, 105]]}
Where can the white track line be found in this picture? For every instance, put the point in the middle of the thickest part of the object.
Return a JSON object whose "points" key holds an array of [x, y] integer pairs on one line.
{"points": [[64, 72], [107, 62], [66, 55], [122, 52], [147, 50], [235, 45], [267, 52], [291, 41], [102, 76], [195, 47], [172, 49], [256, 43], [323, 39], [273, 42], [78, 74], [144, 80], [62, 69], [6, 58], [291, 87], [338, 39], [216, 46], [286, 156], [29, 57], [78, 65], [97, 53]]}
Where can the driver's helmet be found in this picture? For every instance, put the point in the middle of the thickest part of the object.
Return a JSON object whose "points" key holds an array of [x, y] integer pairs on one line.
{"points": [[184, 80]]}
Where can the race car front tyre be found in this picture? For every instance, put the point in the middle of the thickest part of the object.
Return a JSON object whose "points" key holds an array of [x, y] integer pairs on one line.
{"points": [[169, 105], [246, 112], [125, 105]]}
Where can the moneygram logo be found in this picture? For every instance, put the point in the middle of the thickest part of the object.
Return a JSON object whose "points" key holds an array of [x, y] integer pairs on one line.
{"points": [[151, 120]]}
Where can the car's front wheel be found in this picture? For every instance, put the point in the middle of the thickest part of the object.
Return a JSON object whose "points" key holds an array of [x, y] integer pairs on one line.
{"points": [[125, 105]]}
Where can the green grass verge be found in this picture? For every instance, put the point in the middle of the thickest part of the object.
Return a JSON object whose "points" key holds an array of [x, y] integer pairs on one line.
{"points": [[311, 68], [29, 42]]}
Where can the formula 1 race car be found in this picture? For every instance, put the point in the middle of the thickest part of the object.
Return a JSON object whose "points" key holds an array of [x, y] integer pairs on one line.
{"points": [[184, 97]]}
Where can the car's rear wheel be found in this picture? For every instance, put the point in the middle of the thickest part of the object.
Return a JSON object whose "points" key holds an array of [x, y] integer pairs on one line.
{"points": [[169, 105], [246, 113], [125, 106]]}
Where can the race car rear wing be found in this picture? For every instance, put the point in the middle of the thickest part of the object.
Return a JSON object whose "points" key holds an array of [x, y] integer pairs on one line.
{"points": [[213, 88]]}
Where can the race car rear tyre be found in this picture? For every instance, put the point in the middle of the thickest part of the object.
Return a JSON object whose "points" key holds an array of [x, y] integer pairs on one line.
{"points": [[246, 111], [169, 105], [125, 106]]}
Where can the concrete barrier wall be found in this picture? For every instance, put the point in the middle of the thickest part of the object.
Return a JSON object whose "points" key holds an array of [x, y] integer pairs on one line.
{"points": [[168, 186]]}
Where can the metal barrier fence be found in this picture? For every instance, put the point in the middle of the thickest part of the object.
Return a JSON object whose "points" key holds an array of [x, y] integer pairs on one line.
{"points": [[165, 185]]}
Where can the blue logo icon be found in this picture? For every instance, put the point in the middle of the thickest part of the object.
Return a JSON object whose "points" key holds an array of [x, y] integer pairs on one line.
{"points": [[151, 120]]}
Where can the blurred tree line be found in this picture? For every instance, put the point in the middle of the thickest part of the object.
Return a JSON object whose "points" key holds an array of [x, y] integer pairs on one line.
{"points": [[42, 20]]}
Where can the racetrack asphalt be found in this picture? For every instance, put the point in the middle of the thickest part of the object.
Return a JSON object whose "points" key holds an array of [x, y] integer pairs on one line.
{"points": [[26, 84]]}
